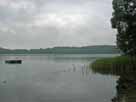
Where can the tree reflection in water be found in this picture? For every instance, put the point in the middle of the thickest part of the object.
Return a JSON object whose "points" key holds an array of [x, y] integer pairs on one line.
{"points": [[126, 84], [126, 88]]}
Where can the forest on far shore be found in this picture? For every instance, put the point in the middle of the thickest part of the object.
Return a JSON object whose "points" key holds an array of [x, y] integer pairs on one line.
{"points": [[98, 49]]}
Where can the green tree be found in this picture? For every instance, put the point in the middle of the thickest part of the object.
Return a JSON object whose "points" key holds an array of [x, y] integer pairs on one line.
{"points": [[124, 20]]}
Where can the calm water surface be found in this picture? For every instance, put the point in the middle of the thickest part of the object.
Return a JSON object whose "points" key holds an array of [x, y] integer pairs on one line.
{"points": [[54, 78]]}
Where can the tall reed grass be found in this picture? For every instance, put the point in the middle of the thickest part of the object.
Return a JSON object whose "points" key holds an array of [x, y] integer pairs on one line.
{"points": [[116, 65]]}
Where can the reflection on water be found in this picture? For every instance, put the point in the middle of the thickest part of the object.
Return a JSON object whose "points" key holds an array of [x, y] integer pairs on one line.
{"points": [[54, 78], [126, 88], [126, 84]]}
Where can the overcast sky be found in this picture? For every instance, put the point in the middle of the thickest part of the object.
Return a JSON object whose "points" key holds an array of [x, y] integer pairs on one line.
{"points": [[49, 23]]}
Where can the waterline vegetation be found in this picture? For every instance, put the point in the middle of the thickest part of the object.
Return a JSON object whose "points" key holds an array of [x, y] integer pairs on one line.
{"points": [[114, 65]]}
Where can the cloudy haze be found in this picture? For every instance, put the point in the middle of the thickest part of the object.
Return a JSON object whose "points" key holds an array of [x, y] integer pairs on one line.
{"points": [[49, 23]]}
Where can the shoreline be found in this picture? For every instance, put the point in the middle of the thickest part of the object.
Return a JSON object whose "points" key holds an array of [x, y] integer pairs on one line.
{"points": [[114, 65]]}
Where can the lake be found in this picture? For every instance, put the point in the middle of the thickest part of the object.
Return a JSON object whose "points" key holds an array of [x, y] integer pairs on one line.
{"points": [[54, 78]]}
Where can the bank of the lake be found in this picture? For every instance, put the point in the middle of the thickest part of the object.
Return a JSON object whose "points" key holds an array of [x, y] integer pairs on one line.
{"points": [[114, 65]]}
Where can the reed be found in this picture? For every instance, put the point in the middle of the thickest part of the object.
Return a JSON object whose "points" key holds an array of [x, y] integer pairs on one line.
{"points": [[116, 65]]}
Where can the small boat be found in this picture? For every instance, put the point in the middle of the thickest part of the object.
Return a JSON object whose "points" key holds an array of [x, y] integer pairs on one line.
{"points": [[13, 61]]}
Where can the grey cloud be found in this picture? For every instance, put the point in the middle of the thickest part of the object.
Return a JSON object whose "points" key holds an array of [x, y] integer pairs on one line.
{"points": [[47, 23]]}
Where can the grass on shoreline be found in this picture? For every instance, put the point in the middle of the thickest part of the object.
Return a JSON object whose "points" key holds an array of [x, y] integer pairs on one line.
{"points": [[115, 65]]}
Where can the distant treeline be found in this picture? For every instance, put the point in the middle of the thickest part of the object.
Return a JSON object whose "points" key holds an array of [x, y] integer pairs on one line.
{"points": [[103, 49]]}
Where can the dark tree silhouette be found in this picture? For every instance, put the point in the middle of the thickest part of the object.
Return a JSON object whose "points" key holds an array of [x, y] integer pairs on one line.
{"points": [[124, 20]]}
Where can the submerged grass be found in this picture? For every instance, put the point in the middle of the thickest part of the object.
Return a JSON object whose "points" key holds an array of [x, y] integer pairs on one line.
{"points": [[116, 65]]}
